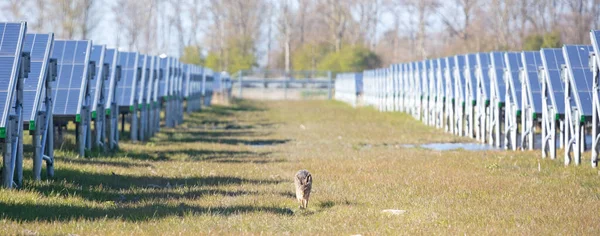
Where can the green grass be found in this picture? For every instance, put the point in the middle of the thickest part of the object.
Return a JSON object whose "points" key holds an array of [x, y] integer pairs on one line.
{"points": [[228, 170]]}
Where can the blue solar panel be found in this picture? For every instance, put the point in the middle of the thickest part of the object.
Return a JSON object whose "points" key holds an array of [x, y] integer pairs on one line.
{"points": [[432, 76], [143, 63], [176, 82], [165, 65], [12, 36], [513, 66], [459, 63], [187, 74], [130, 73], [441, 90], [497, 68], [483, 62], [34, 87], [532, 61], [111, 58], [151, 79], [159, 77], [73, 64], [97, 56], [577, 60], [423, 70], [553, 59], [470, 70]]}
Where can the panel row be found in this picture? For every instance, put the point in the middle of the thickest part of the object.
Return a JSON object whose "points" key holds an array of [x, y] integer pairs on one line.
{"points": [[46, 83], [547, 99]]}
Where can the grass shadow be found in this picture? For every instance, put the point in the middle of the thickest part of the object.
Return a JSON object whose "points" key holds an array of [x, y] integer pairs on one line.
{"points": [[30, 212]]}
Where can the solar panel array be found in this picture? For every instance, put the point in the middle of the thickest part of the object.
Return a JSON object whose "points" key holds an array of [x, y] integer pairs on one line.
{"points": [[76, 81], [490, 95]]}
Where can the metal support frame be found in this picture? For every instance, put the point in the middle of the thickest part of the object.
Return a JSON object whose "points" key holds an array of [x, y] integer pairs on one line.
{"points": [[441, 94], [483, 106], [459, 95], [552, 118], [574, 129], [497, 99], [595, 67], [424, 107], [12, 172], [449, 108], [512, 109], [470, 96], [433, 96]]}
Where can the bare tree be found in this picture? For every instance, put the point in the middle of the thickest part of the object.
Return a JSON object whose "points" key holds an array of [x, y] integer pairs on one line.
{"points": [[286, 22]]}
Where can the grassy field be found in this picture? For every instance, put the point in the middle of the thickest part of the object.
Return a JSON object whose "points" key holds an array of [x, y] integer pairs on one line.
{"points": [[228, 170]]}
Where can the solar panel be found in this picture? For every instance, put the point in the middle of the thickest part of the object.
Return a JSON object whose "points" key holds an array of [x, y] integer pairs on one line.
{"points": [[423, 69], [73, 74], [459, 65], [111, 58], [513, 66], [12, 36], [449, 75], [553, 59], [496, 74], [166, 66], [143, 62], [577, 61], [130, 72], [470, 69], [432, 77], [34, 87], [151, 79], [483, 78], [441, 80], [159, 77], [532, 61], [187, 71], [97, 56]]}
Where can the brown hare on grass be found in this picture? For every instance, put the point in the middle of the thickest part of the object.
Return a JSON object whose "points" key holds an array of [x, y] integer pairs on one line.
{"points": [[303, 182]]}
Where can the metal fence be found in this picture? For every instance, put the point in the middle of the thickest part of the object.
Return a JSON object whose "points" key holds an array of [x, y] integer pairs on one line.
{"points": [[281, 85]]}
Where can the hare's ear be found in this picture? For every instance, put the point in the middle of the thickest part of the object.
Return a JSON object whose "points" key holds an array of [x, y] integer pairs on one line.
{"points": [[309, 178]]}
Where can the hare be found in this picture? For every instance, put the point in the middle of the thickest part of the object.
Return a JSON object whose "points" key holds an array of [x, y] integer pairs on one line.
{"points": [[303, 182]]}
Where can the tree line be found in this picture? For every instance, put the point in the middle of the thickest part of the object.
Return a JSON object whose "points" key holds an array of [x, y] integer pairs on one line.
{"points": [[337, 35]]}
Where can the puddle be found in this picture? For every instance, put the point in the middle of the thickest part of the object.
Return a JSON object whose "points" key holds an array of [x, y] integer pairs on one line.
{"points": [[456, 146]]}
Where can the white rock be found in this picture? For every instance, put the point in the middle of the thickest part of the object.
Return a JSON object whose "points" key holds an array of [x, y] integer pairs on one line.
{"points": [[394, 211]]}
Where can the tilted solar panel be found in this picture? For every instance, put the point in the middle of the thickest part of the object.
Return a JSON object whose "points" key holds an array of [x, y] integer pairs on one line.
{"points": [[450, 77], [553, 59], [130, 72], [159, 77], [423, 70], [111, 58], [577, 61], [459, 65], [34, 87], [513, 67], [532, 61], [73, 74], [12, 36], [470, 78], [498, 65], [166, 66], [98, 95], [151, 79], [483, 78], [441, 81], [143, 64]]}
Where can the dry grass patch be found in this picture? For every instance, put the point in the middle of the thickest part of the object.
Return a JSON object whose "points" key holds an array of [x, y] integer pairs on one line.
{"points": [[229, 170]]}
